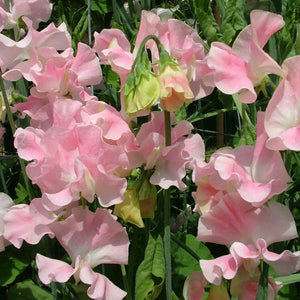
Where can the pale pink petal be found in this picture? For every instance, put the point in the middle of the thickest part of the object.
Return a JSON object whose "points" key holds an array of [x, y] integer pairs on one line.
{"points": [[27, 141], [101, 287], [87, 66], [36, 10], [96, 237], [283, 111], [53, 269], [285, 263], [213, 270], [194, 285], [5, 203], [19, 226], [234, 220]]}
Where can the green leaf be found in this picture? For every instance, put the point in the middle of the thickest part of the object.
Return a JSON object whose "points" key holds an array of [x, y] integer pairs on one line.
{"points": [[234, 20], [151, 272], [293, 278], [183, 263], [14, 262], [22, 194], [28, 290], [101, 6], [13, 267], [206, 20]]}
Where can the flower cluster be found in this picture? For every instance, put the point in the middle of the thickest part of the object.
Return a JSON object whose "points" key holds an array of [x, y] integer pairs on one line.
{"points": [[81, 150]]}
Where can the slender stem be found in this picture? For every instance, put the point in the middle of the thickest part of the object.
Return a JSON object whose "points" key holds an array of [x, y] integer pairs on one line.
{"points": [[3, 180], [167, 217], [142, 48], [125, 282], [90, 33], [13, 129]]}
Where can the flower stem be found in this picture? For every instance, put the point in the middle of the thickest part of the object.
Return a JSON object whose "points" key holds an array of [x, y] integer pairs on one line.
{"points": [[13, 130], [125, 282], [142, 48], [167, 217]]}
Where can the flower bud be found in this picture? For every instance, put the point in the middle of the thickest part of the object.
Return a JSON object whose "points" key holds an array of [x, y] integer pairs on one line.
{"points": [[142, 89], [175, 88]]}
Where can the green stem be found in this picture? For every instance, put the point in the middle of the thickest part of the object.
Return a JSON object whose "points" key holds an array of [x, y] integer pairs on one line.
{"points": [[3, 180], [142, 48], [13, 130], [167, 217], [125, 282]]}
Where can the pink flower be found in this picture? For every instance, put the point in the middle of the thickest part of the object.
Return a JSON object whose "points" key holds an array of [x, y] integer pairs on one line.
{"points": [[16, 55], [175, 89], [90, 148], [181, 42], [5, 204], [283, 111], [244, 286], [248, 231], [169, 162], [36, 10], [194, 286], [19, 225], [255, 172], [241, 68], [90, 239]]}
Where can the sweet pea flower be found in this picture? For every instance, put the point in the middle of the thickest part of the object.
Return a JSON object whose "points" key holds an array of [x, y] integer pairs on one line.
{"points": [[247, 231], [175, 89], [283, 111], [36, 10], [5, 204], [194, 285], [244, 286], [90, 239], [17, 55], [20, 225], [169, 162], [255, 172], [241, 68], [180, 41]]}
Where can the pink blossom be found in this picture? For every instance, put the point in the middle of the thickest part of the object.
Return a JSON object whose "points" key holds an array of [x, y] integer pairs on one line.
{"points": [[241, 68], [181, 41], [89, 158], [90, 239], [5, 204], [245, 285], [194, 286], [20, 225], [248, 231], [282, 113], [255, 172], [169, 162], [36, 10], [13, 54]]}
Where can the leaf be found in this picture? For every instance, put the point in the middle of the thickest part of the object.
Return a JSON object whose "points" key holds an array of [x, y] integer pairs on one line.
{"points": [[293, 278], [206, 20], [183, 263], [28, 290], [22, 194], [129, 210], [14, 262], [234, 20], [151, 272], [101, 6]]}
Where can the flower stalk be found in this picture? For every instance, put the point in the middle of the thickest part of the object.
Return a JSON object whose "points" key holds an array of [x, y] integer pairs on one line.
{"points": [[167, 217]]}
